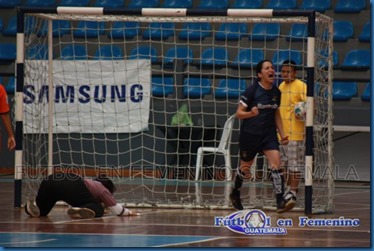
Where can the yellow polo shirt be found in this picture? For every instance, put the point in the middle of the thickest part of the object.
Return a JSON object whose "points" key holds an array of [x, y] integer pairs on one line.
{"points": [[292, 93]]}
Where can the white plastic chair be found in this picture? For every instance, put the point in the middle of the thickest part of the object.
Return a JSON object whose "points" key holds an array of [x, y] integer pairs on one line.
{"points": [[223, 148]]}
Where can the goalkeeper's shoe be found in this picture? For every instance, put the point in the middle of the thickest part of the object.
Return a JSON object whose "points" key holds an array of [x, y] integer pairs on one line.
{"points": [[81, 213], [32, 209], [235, 199]]}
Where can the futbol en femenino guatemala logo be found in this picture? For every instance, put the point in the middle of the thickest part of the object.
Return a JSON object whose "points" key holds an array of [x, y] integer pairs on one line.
{"points": [[249, 222]]}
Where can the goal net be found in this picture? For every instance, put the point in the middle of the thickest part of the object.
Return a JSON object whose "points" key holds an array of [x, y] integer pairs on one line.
{"points": [[135, 96]]}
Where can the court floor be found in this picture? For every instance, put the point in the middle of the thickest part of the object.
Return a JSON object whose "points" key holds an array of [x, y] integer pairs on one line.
{"points": [[162, 227]]}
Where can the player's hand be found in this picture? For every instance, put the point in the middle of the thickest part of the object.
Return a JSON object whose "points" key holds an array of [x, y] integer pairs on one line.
{"points": [[284, 140], [255, 111], [131, 213], [11, 143]]}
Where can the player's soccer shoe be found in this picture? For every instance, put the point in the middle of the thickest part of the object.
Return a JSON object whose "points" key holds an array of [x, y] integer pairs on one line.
{"points": [[235, 199], [285, 206], [81, 213], [32, 209]]}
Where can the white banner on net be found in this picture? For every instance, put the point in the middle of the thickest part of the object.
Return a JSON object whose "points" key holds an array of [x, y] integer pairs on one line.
{"points": [[95, 96]]}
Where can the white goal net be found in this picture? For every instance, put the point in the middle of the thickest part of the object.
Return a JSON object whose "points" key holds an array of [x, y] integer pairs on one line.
{"points": [[135, 96]]}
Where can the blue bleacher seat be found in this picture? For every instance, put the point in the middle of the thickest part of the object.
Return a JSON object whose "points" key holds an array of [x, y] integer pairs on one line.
{"points": [[124, 30], [59, 28], [281, 4], [298, 32], [10, 3], [76, 3], [41, 3], [89, 29], [157, 31], [246, 4], [265, 31], [365, 96], [37, 52], [195, 31], [357, 60], [230, 88], [365, 33], [1, 24], [144, 3], [7, 53], [248, 58], [74, 52], [213, 4], [282, 55], [216, 56], [317, 5], [231, 31], [177, 4], [11, 85], [110, 3], [109, 52], [181, 52], [11, 27], [144, 52], [196, 87], [325, 54], [343, 30], [162, 86], [344, 90], [350, 6]]}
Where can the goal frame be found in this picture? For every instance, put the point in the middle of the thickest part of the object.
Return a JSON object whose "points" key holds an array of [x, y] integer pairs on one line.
{"points": [[310, 67]]}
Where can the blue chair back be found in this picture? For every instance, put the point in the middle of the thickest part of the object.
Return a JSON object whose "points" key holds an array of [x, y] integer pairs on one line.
{"points": [[195, 31], [124, 30], [265, 31], [74, 52], [181, 52], [350, 6], [144, 52], [246, 4], [7, 53], [75, 3], [89, 29], [343, 30], [216, 56], [109, 52], [344, 90], [110, 3], [231, 31], [298, 32], [281, 4], [357, 59], [365, 33], [282, 55], [213, 4], [230, 88], [248, 58], [158, 31], [144, 3], [196, 87], [325, 54], [366, 95], [162, 86], [177, 4], [317, 5]]}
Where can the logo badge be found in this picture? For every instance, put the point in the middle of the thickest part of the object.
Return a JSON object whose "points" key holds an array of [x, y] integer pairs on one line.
{"points": [[249, 222]]}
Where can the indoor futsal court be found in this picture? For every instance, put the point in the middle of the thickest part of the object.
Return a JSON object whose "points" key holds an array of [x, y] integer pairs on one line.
{"points": [[165, 227]]}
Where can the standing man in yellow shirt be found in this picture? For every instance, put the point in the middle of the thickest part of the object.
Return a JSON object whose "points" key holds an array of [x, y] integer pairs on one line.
{"points": [[293, 91]]}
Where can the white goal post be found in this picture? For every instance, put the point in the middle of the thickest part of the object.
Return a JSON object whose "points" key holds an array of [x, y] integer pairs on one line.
{"points": [[135, 92]]}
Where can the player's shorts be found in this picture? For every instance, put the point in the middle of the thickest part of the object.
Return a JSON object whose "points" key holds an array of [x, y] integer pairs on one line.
{"points": [[251, 144], [293, 156]]}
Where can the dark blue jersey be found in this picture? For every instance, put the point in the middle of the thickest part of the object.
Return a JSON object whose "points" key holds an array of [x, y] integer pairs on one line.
{"points": [[267, 102]]}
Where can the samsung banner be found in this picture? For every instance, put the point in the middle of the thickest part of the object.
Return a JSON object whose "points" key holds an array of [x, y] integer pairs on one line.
{"points": [[90, 97]]}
